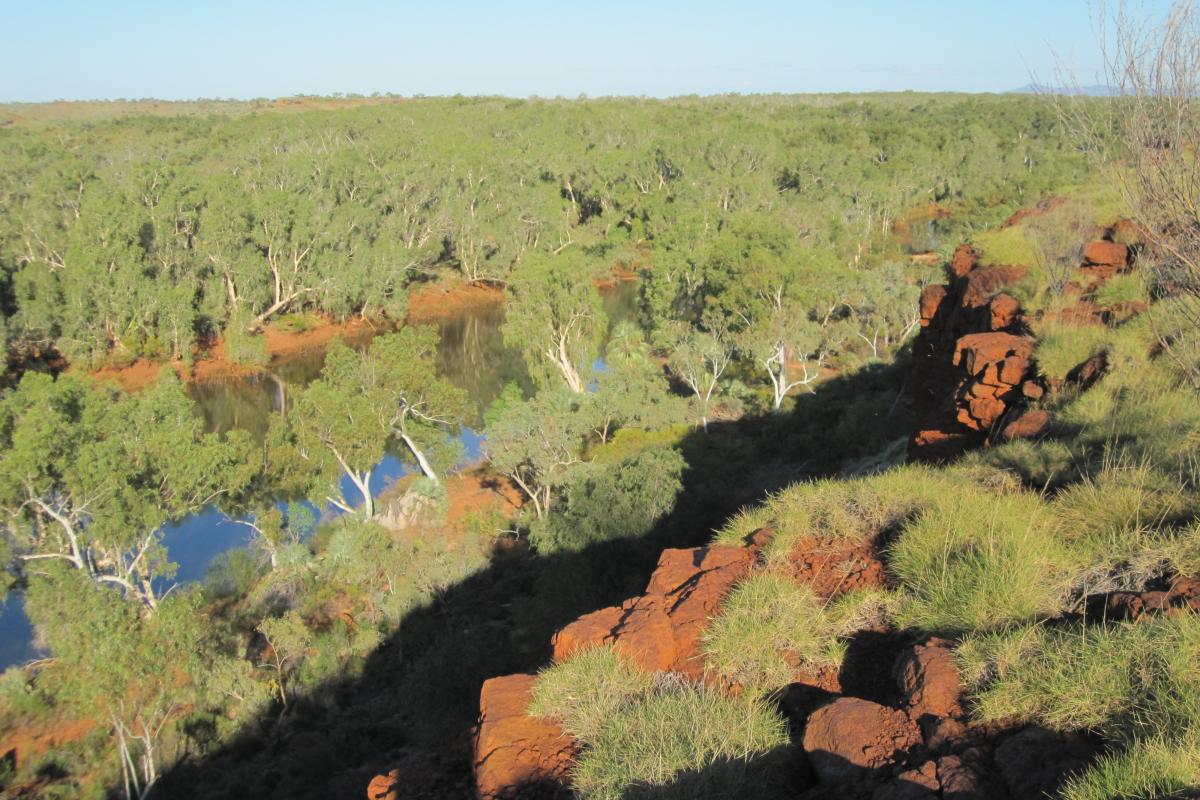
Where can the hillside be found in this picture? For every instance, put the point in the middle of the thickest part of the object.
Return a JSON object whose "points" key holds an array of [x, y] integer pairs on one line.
{"points": [[1017, 622]]}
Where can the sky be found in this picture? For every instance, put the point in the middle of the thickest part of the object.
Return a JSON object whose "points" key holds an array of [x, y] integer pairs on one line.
{"points": [[175, 50]]}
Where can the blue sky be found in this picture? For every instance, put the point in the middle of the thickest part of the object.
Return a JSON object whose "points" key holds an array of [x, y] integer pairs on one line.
{"points": [[74, 49]]}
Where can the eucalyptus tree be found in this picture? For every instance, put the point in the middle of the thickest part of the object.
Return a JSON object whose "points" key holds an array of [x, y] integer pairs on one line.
{"points": [[632, 391], [699, 358], [89, 478], [537, 443], [884, 308], [133, 672], [555, 316], [365, 399]]}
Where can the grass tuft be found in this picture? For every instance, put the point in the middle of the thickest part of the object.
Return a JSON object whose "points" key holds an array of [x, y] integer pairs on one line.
{"points": [[584, 693], [683, 741], [979, 562], [769, 629]]}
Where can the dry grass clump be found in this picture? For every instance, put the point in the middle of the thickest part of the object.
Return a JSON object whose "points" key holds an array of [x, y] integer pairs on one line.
{"points": [[855, 510], [772, 628], [1063, 346], [657, 735]]}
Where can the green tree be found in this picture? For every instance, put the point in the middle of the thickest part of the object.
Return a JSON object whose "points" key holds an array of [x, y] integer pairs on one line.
{"points": [[613, 501], [364, 399], [132, 671], [537, 442], [632, 390], [555, 316], [90, 478], [699, 358]]}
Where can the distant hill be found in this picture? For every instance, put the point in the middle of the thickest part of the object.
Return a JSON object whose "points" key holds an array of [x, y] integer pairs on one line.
{"points": [[1097, 90]]}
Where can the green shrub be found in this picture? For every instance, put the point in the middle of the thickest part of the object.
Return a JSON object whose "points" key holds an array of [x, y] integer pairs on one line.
{"points": [[613, 501], [583, 693], [769, 627], [976, 561], [697, 741]]}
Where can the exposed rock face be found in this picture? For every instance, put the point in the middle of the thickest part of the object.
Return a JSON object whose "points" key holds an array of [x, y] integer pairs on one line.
{"points": [[1110, 257], [833, 567], [929, 681], [852, 739], [971, 365], [516, 755], [660, 630]]}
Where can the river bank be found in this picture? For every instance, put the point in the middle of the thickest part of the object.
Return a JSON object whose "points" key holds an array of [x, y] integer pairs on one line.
{"points": [[432, 303]]}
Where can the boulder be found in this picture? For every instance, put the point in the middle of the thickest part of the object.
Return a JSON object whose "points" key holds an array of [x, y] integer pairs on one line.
{"points": [[931, 300], [1103, 253], [1036, 762], [1029, 424], [964, 260], [914, 784], [976, 351], [1004, 310], [588, 631], [833, 567], [660, 630], [851, 739], [962, 779], [982, 283], [929, 682], [516, 754]]}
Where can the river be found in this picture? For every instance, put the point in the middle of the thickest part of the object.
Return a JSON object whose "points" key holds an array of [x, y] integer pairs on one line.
{"points": [[472, 354]]}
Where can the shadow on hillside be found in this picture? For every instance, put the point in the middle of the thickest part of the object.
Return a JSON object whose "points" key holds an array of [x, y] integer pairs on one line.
{"points": [[416, 698]]}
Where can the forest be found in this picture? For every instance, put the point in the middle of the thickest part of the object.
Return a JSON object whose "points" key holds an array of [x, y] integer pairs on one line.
{"points": [[773, 251]]}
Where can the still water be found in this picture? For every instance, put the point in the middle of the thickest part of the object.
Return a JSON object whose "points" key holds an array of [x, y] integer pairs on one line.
{"points": [[472, 354]]}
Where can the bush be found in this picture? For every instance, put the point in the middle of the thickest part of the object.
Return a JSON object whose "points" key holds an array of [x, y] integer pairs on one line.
{"points": [[683, 741], [613, 501], [1121, 289], [978, 562], [1062, 347]]}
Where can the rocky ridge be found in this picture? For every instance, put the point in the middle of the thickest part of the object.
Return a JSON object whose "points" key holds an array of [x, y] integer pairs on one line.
{"points": [[891, 723]]}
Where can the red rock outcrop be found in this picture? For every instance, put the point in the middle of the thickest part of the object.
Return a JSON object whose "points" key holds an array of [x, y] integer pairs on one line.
{"points": [[852, 739], [1104, 258], [660, 630], [970, 360], [516, 755]]}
